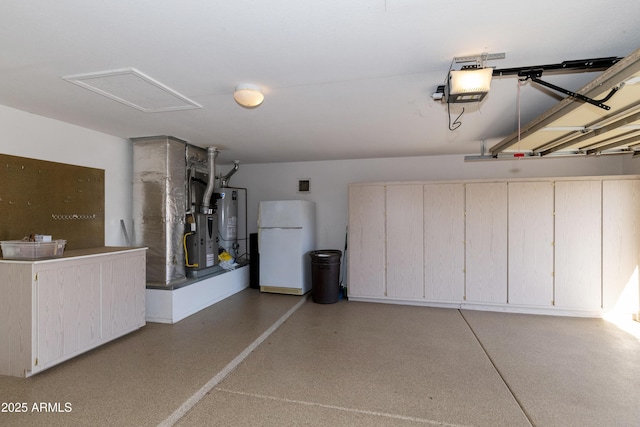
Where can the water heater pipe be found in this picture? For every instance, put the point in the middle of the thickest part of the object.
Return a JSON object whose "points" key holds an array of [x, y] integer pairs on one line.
{"points": [[212, 153], [224, 181]]}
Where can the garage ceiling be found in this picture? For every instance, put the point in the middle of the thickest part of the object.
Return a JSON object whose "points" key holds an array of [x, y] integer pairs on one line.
{"points": [[342, 79]]}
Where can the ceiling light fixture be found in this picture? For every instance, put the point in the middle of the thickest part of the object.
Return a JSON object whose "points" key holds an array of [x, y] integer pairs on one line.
{"points": [[248, 95], [468, 84]]}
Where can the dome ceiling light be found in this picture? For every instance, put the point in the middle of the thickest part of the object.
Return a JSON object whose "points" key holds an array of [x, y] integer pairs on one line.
{"points": [[248, 95]]}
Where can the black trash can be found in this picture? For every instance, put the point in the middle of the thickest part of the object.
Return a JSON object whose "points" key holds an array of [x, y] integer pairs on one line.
{"points": [[325, 275]]}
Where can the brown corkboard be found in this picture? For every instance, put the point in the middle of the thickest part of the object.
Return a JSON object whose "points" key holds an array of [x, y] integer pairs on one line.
{"points": [[57, 199]]}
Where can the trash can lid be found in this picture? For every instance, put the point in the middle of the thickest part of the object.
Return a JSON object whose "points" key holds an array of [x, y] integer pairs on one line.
{"points": [[325, 252], [325, 256]]}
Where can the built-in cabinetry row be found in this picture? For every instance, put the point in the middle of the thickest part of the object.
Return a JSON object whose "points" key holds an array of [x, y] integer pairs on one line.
{"points": [[560, 245], [52, 310]]}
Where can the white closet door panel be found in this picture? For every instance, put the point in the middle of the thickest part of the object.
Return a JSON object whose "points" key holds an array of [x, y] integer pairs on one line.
{"points": [[621, 245], [366, 241], [578, 244], [444, 242], [404, 241], [486, 242], [531, 243]]}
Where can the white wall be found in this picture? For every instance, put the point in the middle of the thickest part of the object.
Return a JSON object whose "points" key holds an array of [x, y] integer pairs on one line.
{"points": [[631, 165], [27, 135], [329, 180], [32, 136]]}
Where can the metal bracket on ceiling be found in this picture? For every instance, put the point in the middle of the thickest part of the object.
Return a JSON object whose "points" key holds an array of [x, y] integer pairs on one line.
{"points": [[592, 64], [535, 74], [596, 64], [479, 59]]}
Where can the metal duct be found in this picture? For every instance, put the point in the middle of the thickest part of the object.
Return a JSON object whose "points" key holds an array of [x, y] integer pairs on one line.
{"points": [[159, 194], [197, 169], [224, 181], [212, 153]]}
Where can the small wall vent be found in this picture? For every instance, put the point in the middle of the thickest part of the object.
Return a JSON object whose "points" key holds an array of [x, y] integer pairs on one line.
{"points": [[304, 186]]}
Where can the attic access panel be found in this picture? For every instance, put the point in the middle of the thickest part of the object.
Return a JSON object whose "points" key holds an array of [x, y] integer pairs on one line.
{"points": [[576, 127], [130, 87]]}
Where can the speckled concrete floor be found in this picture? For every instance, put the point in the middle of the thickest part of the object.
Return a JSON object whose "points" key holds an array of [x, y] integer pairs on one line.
{"points": [[240, 363]]}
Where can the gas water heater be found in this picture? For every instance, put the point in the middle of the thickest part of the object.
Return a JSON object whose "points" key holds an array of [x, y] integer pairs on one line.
{"points": [[227, 211]]}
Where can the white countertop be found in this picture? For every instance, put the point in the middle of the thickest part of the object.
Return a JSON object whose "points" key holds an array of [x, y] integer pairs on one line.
{"points": [[79, 253]]}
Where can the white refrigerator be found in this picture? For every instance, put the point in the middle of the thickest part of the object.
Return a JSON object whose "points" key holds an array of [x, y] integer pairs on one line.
{"points": [[286, 235]]}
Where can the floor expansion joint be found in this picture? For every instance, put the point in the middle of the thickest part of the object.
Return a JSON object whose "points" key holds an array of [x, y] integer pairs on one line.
{"points": [[506, 384], [231, 366]]}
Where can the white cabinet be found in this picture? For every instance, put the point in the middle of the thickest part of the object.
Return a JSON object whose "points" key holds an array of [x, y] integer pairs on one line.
{"points": [[568, 246], [530, 232], [486, 242], [53, 310], [444, 242], [123, 294], [67, 319], [15, 319], [404, 242], [385, 241], [578, 240], [367, 235], [621, 245]]}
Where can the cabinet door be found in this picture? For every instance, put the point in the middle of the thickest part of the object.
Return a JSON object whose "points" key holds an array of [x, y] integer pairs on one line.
{"points": [[15, 318], [578, 244], [366, 240], [620, 245], [530, 276], [404, 242], [486, 242], [68, 314], [123, 293], [444, 242]]}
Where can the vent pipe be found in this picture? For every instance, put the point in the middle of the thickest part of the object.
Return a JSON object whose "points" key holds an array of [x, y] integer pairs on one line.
{"points": [[224, 181], [212, 153]]}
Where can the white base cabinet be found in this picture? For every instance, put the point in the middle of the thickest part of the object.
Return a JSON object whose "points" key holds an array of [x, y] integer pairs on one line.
{"points": [[52, 310], [563, 246]]}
